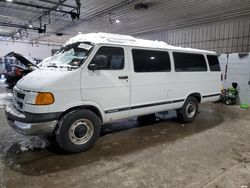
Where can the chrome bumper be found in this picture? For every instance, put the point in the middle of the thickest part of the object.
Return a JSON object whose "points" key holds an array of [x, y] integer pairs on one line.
{"points": [[33, 128], [18, 121]]}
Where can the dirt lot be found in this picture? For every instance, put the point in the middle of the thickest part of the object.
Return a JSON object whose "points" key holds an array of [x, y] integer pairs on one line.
{"points": [[213, 151]]}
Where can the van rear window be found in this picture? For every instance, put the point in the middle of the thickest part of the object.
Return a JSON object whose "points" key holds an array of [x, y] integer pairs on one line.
{"points": [[188, 62], [151, 61], [213, 62]]}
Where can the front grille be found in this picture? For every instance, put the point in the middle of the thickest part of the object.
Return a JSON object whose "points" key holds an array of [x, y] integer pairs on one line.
{"points": [[19, 97], [20, 104]]}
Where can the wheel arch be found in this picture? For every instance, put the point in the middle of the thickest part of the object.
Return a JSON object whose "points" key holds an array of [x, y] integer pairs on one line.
{"points": [[196, 95], [89, 107]]}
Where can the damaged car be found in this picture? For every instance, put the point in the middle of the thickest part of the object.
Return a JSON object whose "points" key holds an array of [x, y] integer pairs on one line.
{"points": [[17, 70]]}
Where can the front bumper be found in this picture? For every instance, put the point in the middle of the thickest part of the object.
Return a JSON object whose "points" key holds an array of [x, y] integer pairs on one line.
{"points": [[29, 123]]}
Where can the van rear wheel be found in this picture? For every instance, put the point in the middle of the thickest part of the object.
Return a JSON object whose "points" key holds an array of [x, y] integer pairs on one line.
{"points": [[188, 112], [78, 130]]}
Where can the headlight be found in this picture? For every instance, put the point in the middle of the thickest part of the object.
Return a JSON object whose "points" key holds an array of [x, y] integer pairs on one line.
{"points": [[31, 97], [40, 98]]}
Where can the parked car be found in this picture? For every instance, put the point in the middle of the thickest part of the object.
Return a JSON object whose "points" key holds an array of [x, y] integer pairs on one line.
{"points": [[100, 78], [18, 70]]}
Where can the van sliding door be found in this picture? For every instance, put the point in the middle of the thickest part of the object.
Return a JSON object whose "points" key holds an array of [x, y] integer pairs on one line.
{"points": [[149, 81]]}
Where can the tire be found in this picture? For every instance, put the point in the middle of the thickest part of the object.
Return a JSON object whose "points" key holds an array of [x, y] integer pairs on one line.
{"points": [[228, 102], [188, 112], [78, 130]]}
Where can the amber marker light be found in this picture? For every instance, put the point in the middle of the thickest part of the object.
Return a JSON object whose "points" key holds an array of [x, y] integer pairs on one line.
{"points": [[44, 98]]}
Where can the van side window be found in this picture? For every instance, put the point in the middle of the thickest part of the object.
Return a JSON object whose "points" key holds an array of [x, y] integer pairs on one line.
{"points": [[151, 61], [213, 62], [113, 58], [188, 62]]}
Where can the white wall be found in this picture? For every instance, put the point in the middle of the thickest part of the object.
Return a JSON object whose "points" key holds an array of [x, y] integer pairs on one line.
{"points": [[238, 70], [33, 51], [40, 51], [227, 36]]}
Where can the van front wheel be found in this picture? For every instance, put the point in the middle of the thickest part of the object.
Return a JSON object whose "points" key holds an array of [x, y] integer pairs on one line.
{"points": [[78, 130], [188, 112]]}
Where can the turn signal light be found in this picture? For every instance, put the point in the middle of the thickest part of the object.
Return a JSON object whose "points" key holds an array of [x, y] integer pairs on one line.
{"points": [[44, 99]]}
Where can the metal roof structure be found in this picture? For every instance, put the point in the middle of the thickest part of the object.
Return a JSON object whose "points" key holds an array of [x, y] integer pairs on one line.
{"points": [[22, 19]]}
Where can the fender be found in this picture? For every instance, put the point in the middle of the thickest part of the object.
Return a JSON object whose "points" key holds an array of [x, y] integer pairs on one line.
{"points": [[194, 93], [87, 103]]}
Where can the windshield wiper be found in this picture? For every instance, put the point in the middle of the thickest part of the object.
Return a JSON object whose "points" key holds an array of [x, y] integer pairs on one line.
{"points": [[54, 66], [69, 67]]}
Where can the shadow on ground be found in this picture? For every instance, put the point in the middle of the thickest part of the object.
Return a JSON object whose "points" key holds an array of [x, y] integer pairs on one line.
{"points": [[117, 139]]}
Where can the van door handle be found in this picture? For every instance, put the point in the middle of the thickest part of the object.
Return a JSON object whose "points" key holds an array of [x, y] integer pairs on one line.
{"points": [[123, 77]]}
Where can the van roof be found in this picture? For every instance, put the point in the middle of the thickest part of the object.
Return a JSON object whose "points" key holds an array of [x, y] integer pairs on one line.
{"points": [[126, 40]]}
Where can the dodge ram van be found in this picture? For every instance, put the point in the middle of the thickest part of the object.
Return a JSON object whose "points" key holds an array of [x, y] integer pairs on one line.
{"points": [[99, 78]]}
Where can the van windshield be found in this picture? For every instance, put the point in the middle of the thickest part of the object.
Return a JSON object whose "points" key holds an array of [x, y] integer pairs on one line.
{"points": [[70, 56]]}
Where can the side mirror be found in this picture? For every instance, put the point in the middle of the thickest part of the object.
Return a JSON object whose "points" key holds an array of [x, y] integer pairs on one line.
{"points": [[99, 62], [92, 66]]}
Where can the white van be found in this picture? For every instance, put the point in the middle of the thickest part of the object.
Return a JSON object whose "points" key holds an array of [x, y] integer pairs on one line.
{"points": [[98, 78]]}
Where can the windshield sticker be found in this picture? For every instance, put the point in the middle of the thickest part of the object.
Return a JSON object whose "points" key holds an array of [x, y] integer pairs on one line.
{"points": [[85, 46]]}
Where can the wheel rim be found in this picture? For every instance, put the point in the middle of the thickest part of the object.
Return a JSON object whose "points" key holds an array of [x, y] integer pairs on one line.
{"points": [[191, 109], [81, 131]]}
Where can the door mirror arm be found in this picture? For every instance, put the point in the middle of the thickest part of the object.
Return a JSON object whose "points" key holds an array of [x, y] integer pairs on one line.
{"points": [[93, 67]]}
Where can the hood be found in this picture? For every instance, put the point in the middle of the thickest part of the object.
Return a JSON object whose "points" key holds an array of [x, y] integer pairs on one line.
{"points": [[22, 59], [41, 79]]}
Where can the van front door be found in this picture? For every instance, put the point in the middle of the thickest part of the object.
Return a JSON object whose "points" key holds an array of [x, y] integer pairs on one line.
{"points": [[106, 82]]}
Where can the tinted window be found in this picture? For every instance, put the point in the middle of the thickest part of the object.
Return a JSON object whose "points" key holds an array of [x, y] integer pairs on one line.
{"points": [[151, 61], [187, 62], [112, 56], [213, 62]]}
